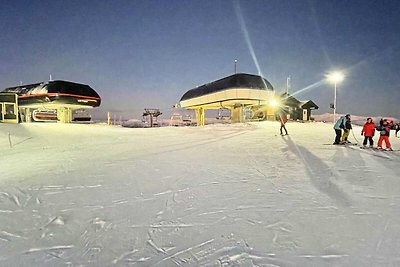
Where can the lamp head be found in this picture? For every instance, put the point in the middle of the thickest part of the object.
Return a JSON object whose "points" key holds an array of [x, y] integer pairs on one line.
{"points": [[335, 77]]}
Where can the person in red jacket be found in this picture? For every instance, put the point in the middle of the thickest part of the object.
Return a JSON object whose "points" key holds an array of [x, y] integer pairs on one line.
{"points": [[368, 131], [385, 132]]}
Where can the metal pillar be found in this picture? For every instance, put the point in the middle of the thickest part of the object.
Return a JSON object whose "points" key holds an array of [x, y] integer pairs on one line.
{"points": [[200, 117]]}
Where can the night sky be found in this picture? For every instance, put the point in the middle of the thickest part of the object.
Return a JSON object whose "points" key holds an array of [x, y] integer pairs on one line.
{"points": [[139, 54]]}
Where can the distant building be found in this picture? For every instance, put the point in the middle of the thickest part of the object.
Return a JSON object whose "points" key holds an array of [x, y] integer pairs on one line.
{"points": [[298, 110], [46, 101]]}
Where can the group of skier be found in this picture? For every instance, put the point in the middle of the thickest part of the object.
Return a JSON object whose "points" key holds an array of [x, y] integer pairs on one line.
{"points": [[368, 131]]}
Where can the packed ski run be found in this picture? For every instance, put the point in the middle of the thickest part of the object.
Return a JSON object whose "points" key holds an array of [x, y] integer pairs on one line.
{"points": [[218, 195]]}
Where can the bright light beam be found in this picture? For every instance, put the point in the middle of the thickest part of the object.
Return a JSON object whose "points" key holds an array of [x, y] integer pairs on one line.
{"points": [[245, 32], [312, 86]]}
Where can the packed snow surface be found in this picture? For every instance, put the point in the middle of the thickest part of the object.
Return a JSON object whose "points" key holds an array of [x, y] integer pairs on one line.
{"points": [[218, 195]]}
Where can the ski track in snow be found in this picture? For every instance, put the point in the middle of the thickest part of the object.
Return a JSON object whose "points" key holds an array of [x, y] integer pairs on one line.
{"points": [[219, 195]]}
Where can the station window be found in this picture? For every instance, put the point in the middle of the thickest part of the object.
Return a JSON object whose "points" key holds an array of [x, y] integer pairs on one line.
{"points": [[9, 111]]}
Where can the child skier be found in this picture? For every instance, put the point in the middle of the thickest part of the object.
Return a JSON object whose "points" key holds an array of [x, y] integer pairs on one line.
{"points": [[346, 130], [368, 131], [384, 135]]}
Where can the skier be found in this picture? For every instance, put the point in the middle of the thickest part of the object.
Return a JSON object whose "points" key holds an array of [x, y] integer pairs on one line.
{"points": [[384, 135], [339, 125], [346, 130], [282, 117], [381, 123], [397, 128], [368, 131]]}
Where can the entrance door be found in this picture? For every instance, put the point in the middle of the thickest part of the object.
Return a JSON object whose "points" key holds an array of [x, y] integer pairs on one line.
{"points": [[305, 115]]}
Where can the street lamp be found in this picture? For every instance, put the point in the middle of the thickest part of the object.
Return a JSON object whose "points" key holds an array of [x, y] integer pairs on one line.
{"points": [[235, 65], [335, 77]]}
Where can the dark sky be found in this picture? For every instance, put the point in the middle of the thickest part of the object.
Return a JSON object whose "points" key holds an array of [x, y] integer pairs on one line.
{"points": [[139, 54]]}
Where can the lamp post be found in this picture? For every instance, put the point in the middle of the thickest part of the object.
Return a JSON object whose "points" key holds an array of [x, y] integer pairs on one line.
{"points": [[235, 65], [335, 78]]}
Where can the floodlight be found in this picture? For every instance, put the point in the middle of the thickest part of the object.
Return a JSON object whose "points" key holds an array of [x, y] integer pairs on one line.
{"points": [[274, 103], [335, 77]]}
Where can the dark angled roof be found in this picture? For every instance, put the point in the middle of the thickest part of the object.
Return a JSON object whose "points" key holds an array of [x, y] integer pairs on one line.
{"points": [[308, 104], [240, 80], [289, 100], [63, 87]]}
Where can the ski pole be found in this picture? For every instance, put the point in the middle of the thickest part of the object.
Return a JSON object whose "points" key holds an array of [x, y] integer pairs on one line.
{"points": [[354, 136]]}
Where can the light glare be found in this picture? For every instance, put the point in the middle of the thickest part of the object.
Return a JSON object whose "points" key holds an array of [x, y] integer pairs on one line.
{"points": [[335, 77], [274, 103]]}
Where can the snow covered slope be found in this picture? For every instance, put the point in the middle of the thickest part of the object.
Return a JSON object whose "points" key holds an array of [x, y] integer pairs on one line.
{"points": [[219, 195]]}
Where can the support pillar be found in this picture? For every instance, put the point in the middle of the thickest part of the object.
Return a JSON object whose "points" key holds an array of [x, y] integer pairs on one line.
{"points": [[200, 117], [64, 115], [28, 115], [237, 114]]}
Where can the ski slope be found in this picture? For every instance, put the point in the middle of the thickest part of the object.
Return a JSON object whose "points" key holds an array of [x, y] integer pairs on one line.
{"points": [[218, 195]]}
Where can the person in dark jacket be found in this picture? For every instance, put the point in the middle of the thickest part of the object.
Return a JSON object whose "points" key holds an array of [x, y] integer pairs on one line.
{"points": [[384, 135], [381, 122], [397, 128], [282, 116], [368, 131]]}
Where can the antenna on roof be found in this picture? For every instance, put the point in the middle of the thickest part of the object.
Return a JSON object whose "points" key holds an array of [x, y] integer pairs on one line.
{"points": [[50, 78], [288, 84]]}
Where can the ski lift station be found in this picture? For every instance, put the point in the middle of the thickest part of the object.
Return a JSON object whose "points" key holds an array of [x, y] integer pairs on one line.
{"points": [[245, 96], [46, 101], [238, 93]]}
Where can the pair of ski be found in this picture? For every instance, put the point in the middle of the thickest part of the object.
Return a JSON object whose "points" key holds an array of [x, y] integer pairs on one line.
{"points": [[379, 149], [363, 147], [342, 144], [380, 153]]}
